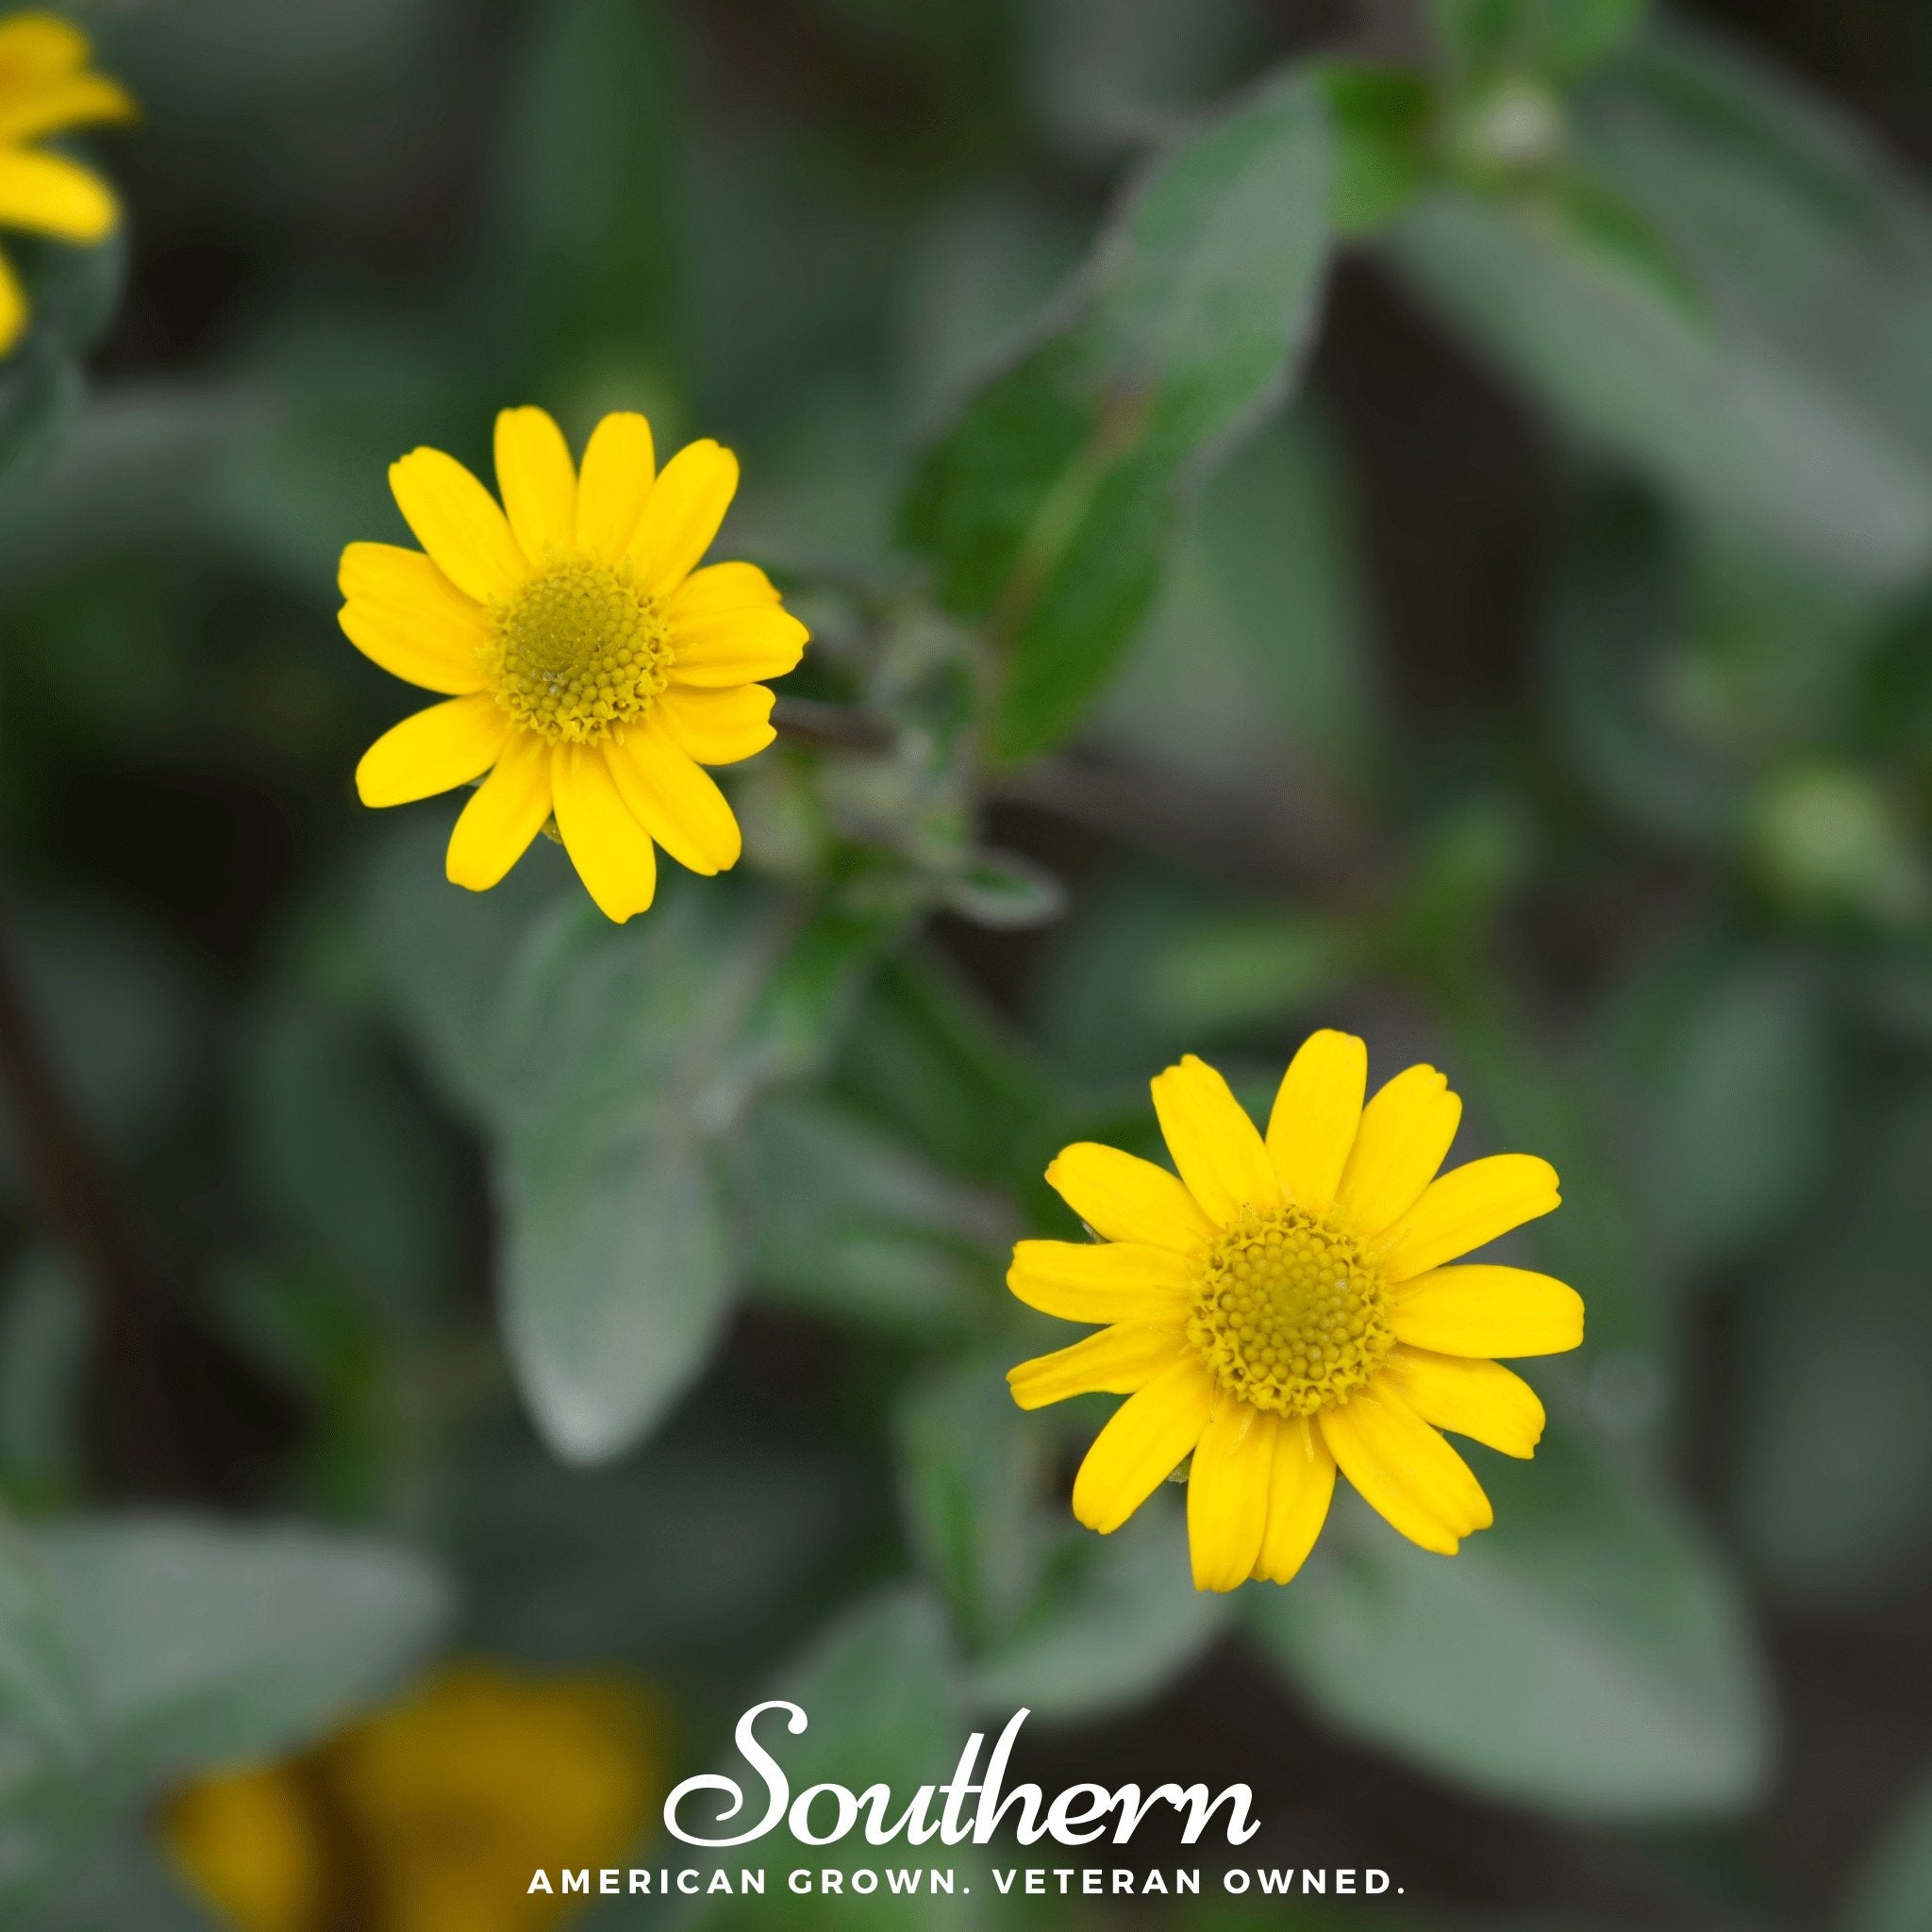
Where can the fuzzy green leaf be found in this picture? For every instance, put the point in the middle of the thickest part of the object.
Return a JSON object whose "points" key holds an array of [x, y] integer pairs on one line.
{"points": [[1048, 507]]}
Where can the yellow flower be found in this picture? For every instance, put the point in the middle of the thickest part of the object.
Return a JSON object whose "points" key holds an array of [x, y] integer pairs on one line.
{"points": [[433, 1814], [593, 670], [45, 88], [1283, 1310]]}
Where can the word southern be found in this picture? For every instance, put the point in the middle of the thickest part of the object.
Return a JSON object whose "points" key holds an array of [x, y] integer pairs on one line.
{"points": [[822, 1814]]}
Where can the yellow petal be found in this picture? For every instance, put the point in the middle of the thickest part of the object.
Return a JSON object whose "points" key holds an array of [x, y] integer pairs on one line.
{"points": [[78, 100], [1316, 1113], [1404, 1469], [742, 646], [1405, 1134], [677, 803], [1116, 1361], [720, 590], [610, 850], [1467, 1206], [13, 313], [1481, 1400], [719, 728], [1214, 1143], [51, 196], [434, 750], [40, 46], [1301, 1486], [250, 1845], [457, 522], [1100, 1281], [538, 483], [1149, 1436], [620, 466], [1485, 1310], [504, 814], [1128, 1199], [404, 614], [682, 515], [1227, 1494]]}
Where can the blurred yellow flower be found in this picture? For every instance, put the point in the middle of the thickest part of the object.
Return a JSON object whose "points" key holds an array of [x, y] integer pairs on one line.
{"points": [[592, 669], [1283, 1310], [433, 1814], [47, 88]]}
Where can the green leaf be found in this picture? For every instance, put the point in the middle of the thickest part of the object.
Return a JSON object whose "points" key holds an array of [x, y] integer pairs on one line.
{"points": [[610, 1064], [1154, 965], [443, 954], [40, 394], [313, 473], [1006, 891], [1380, 119], [341, 1155], [688, 1554], [1733, 1053], [42, 1688], [1048, 506], [1103, 71], [1587, 1657], [140, 469], [977, 273], [1562, 39], [1069, 1625], [1611, 232], [811, 964], [930, 1059], [618, 1275], [592, 244], [1472, 857], [1836, 844], [203, 1646], [1118, 1619], [122, 1883], [1803, 411], [849, 1223], [1105, 1004], [1834, 1446], [71, 293], [1579, 35], [1244, 973], [1894, 1892], [1251, 666], [1477, 33], [1617, 629], [46, 1341], [629, 1053], [971, 1471], [230, 64]]}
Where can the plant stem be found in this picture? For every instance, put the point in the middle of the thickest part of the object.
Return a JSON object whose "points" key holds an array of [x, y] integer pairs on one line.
{"points": [[80, 1211]]}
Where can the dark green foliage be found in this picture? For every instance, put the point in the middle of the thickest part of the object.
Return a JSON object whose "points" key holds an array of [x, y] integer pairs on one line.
{"points": [[1431, 537]]}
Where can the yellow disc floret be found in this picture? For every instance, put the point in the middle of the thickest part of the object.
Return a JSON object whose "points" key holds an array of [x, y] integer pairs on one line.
{"points": [[579, 652], [1291, 1313]]}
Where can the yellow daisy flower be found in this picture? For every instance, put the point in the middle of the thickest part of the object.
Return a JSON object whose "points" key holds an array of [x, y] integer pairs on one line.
{"points": [[593, 670], [1284, 1310], [46, 88], [431, 1815]]}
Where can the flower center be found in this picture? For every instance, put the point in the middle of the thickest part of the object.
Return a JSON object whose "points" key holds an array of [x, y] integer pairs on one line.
{"points": [[1290, 1312], [580, 652]]}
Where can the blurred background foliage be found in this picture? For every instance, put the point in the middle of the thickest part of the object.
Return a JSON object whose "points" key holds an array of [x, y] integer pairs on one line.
{"points": [[1413, 517]]}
